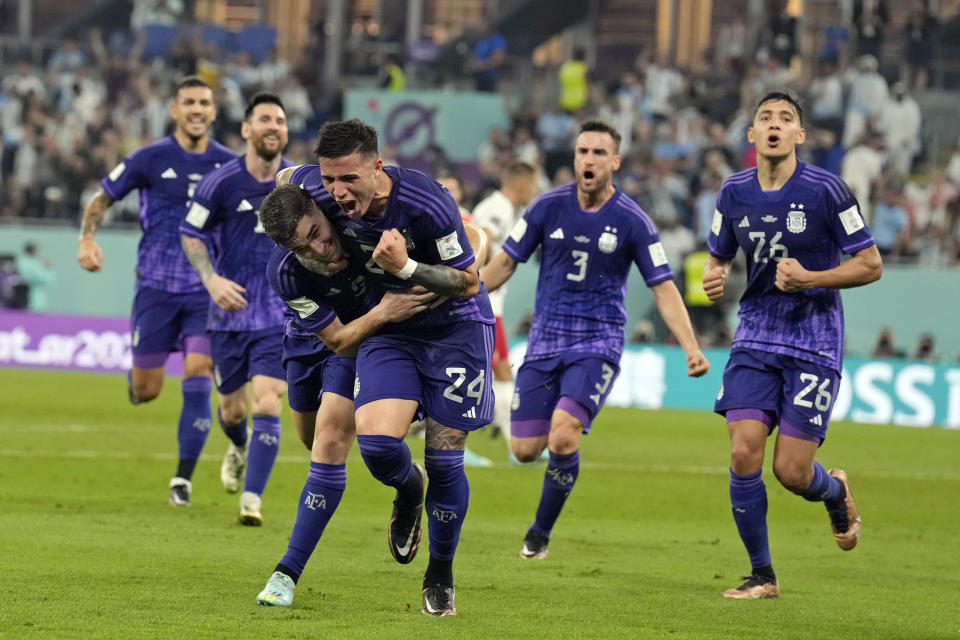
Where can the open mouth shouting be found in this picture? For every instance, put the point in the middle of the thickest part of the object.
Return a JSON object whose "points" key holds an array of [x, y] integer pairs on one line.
{"points": [[349, 207], [773, 140]]}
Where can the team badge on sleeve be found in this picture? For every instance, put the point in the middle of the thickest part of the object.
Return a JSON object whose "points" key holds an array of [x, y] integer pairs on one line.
{"points": [[519, 230], [657, 254], [717, 222], [117, 171], [851, 220], [304, 306], [449, 247], [198, 214]]}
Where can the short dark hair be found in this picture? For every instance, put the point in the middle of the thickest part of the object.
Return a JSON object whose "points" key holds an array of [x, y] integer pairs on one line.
{"points": [[262, 98], [282, 210], [344, 137], [602, 127], [773, 96], [192, 81]]}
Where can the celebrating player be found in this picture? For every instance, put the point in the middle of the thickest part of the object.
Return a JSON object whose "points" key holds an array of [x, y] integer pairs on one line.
{"points": [[590, 232], [246, 316], [792, 221], [170, 305]]}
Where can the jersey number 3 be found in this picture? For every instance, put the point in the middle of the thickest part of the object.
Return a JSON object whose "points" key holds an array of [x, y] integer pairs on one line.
{"points": [[579, 261]]}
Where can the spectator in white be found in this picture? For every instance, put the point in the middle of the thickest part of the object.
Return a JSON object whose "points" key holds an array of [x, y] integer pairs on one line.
{"points": [[861, 166], [620, 112], [165, 12], [953, 166], [525, 147], [24, 82], [826, 97], [931, 203], [900, 123], [67, 58], [38, 273], [297, 105], [663, 82], [868, 94]]}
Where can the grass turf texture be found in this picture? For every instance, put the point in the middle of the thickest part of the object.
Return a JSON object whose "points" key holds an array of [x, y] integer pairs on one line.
{"points": [[645, 547]]}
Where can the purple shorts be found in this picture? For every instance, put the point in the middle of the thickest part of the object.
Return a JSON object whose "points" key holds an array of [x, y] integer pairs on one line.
{"points": [[578, 383], [240, 355], [777, 389], [446, 370], [313, 369], [164, 322]]}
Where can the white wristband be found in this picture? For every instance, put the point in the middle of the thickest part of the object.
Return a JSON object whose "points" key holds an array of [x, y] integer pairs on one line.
{"points": [[408, 269]]}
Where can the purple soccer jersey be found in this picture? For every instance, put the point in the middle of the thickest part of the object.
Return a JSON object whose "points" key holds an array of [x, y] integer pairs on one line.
{"points": [[425, 213], [813, 217], [583, 272], [166, 176], [225, 212]]}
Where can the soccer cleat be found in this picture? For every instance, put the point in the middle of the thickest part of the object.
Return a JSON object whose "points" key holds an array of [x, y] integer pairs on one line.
{"points": [[403, 532], [755, 587], [845, 519], [231, 470], [471, 459], [534, 546], [180, 492], [438, 600], [250, 509], [132, 398], [278, 592]]}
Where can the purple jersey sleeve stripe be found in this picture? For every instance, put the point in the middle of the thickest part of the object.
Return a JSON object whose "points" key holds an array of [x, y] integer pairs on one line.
{"points": [[716, 253], [322, 323], [657, 279], [430, 211], [301, 172], [190, 230], [108, 188], [749, 172], [438, 208], [559, 192], [627, 203], [445, 202], [857, 246], [823, 185], [838, 183], [510, 251]]}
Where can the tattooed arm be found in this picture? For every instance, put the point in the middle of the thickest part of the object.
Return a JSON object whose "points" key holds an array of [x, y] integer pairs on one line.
{"points": [[391, 255], [89, 254], [226, 293]]}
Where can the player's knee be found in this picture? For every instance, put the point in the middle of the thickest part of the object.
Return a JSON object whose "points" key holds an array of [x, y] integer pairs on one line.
{"points": [[745, 459], [146, 391], [791, 476], [526, 451]]}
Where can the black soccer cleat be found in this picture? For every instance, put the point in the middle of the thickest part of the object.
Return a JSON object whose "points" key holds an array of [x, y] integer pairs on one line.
{"points": [[755, 587], [403, 532], [534, 546], [438, 600]]}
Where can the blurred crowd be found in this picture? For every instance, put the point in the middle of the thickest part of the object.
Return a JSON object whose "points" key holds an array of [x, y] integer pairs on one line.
{"points": [[67, 122]]}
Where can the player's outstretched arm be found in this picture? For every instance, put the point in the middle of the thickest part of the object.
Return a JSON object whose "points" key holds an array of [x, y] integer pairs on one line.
{"points": [[89, 254], [391, 255], [226, 293], [395, 306], [864, 267], [715, 277], [479, 243], [498, 271], [674, 314]]}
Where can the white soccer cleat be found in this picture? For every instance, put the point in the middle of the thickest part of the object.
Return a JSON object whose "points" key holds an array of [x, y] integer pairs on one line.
{"points": [[180, 492], [250, 509], [234, 464], [278, 592]]}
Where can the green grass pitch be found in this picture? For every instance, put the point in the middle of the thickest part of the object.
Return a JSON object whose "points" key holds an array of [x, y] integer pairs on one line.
{"points": [[89, 547]]}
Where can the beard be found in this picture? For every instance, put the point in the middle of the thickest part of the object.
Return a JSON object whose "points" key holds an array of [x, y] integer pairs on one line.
{"points": [[266, 154], [324, 268]]}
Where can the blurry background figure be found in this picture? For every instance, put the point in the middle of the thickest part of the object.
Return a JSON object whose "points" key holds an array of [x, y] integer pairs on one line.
{"points": [[870, 17], [890, 221], [642, 333], [885, 346], [37, 272], [925, 349], [900, 121]]}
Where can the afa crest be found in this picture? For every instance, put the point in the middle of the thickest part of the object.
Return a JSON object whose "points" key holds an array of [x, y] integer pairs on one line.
{"points": [[796, 221], [608, 240]]}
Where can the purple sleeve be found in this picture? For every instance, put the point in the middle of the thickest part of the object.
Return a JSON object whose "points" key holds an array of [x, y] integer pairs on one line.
{"points": [[312, 312], [441, 229], [846, 223], [126, 176], [527, 233], [648, 253], [722, 241], [203, 213]]}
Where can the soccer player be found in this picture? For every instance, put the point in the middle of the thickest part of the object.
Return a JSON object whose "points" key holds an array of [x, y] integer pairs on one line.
{"points": [[404, 227], [246, 316], [324, 294], [792, 221], [590, 232], [170, 304], [496, 214]]}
